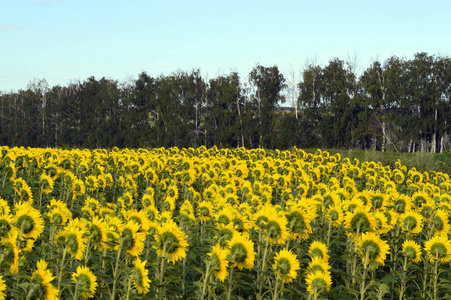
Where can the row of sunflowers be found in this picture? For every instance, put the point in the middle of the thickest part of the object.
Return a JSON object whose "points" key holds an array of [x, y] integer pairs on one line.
{"points": [[219, 224]]}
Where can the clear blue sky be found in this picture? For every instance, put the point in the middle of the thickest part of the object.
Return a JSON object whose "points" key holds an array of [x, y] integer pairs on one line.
{"points": [[68, 40]]}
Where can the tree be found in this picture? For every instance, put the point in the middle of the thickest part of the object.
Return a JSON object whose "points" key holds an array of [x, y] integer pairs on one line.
{"points": [[268, 83]]}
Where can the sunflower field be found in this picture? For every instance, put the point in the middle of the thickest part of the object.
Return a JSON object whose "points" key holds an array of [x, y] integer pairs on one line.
{"points": [[219, 224]]}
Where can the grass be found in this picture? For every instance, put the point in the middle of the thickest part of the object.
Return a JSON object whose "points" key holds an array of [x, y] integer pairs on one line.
{"points": [[423, 162]]}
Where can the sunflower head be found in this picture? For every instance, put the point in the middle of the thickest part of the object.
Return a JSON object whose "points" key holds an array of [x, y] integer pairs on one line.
{"points": [[438, 248], [242, 253], [318, 282], [286, 265], [85, 281], [140, 276], [42, 277], [373, 249], [318, 249], [412, 250], [219, 262]]}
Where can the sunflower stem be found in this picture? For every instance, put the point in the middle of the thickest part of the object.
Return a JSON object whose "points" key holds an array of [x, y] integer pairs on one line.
{"points": [[260, 272], [274, 296], [161, 275], [403, 279], [207, 277], [229, 291], [60, 275], [115, 273], [129, 288]]}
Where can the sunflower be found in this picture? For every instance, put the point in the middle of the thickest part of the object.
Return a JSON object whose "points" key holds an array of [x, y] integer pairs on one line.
{"points": [[225, 215], [4, 207], [140, 276], [28, 220], [382, 225], [78, 188], [318, 249], [420, 198], [373, 249], [334, 215], [25, 194], [241, 251], [286, 265], [72, 238], [5, 225], [2, 289], [132, 238], [114, 225], [412, 250], [140, 217], [318, 282], [148, 199], [360, 220], [98, 230], [225, 234], [187, 211], [10, 252], [241, 223], [411, 221], [219, 262], [299, 222], [172, 241], [43, 278], [85, 282], [91, 182], [205, 210], [318, 264], [438, 248], [152, 213], [46, 183], [440, 222]]}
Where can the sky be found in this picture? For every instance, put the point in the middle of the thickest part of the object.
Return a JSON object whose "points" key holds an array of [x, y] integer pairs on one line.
{"points": [[65, 41]]}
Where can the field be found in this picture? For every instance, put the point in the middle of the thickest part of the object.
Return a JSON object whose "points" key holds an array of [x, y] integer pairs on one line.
{"points": [[221, 224]]}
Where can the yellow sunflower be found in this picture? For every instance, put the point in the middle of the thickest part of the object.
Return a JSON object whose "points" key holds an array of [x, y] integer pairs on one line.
{"points": [[318, 249], [72, 238], [85, 282], [438, 248], [28, 220], [140, 276], [299, 222], [10, 252], [241, 252], [140, 217], [2, 289], [412, 250], [318, 282], [132, 238], [225, 234], [172, 242], [411, 221], [46, 183], [318, 264], [205, 210], [286, 265], [360, 220], [187, 211], [440, 222], [5, 225], [43, 278], [4, 207], [219, 262], [373, 250], [98, 230]]}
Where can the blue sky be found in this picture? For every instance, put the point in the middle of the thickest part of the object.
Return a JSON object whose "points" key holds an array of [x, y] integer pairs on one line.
{"points": [[68, 40]]}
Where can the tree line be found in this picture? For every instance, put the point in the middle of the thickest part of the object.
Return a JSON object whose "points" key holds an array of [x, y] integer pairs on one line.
{"points": [[399, 104]]}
